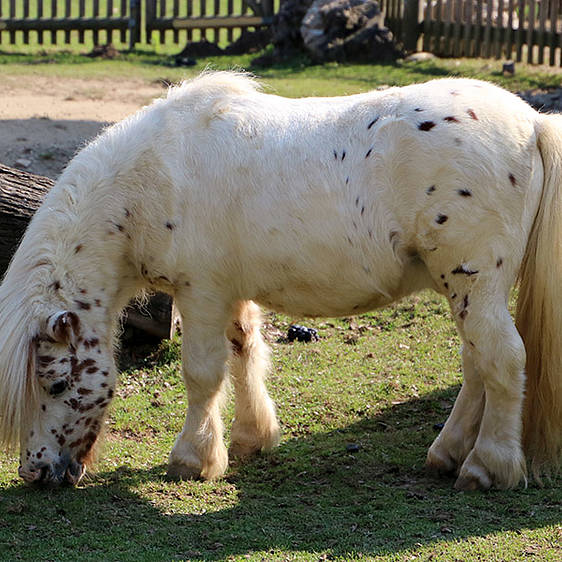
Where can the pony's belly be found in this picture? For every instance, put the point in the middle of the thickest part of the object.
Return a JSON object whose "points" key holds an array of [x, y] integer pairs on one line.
{"points": [[320, 301]]}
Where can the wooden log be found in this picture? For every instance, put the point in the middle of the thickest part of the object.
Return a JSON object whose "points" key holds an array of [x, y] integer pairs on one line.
{"points": [[21, 194]]}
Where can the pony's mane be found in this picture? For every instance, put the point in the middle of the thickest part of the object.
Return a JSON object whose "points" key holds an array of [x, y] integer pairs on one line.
{"points": [[19, 328], [210, 84]]}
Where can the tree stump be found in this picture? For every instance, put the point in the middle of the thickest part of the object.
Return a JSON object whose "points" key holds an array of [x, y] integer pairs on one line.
{"points": [[21, 194]]}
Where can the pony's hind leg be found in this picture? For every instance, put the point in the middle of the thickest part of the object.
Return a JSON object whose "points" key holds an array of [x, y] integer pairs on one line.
{"points": [[497, 355], [456, 439], [255, 425], [199, 451]]}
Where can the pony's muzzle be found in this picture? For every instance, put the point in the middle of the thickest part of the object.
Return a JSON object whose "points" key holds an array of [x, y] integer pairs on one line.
{"points": [[43, 474]]}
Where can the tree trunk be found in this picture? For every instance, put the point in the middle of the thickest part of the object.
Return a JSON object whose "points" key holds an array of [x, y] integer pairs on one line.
{"points": [[21, 194]]}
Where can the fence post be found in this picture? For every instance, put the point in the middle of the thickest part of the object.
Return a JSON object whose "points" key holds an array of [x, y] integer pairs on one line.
{"points": [[410, 28], [134, 23]]}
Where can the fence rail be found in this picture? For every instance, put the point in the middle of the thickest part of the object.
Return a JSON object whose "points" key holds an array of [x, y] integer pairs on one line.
{"points": [[529, 30]]}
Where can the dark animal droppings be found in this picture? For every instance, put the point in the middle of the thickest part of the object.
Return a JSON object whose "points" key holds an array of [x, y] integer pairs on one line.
{"points": [[426, 126]]}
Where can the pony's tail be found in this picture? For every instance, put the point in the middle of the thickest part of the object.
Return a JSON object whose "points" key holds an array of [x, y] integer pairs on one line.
{"points": [[539, 312]]}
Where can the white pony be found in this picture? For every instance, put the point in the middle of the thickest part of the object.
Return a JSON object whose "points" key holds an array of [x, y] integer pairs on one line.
{"points": [[222, 195]]}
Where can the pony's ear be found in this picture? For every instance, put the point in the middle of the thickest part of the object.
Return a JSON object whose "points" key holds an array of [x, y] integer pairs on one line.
{"points": [[63, 327]]}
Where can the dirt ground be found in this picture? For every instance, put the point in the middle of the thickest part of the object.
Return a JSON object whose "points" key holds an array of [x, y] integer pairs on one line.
{"points": [[44, 120]]}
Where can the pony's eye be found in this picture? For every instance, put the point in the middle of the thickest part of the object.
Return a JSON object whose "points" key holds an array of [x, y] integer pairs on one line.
{"points": [[57, 388]]}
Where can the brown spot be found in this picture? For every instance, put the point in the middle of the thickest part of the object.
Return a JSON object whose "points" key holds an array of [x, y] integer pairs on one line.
{"points": [[110, 394], [236, 347], [471, 343], [335, 155], [91, 370], [169, 226], [43, 407], [465, 301], [430, 189], [39, 455], [418, 109], [97, 302], [512, 180], [472, 114], [426, 126], [451, 119], [442, 276], [368, 153], [499, 262], [104, 373], [462, 268], [61, 440], [75, 443], [372, 122], [78, 248], [343, 156], [44, 360], [454, 296], [83, 305], [441, 218], [463, 314], [446, 285], [119, 227], [84, 391], [83, 291], [464, 193], [127, 213], [187, 284], [56, 285], [454, 93]]}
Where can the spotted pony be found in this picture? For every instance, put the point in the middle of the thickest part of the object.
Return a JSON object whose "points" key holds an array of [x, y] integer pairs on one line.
{"points": [[225, 197]]}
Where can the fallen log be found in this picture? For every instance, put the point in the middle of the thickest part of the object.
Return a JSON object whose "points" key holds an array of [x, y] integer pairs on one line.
{"points": [[21, 194]]}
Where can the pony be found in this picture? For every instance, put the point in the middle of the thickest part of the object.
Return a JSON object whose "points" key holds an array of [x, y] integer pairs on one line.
{"points": [[227, 198]]}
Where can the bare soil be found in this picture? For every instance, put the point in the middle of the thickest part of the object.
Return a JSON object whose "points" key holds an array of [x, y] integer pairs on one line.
{"points": [[45, 120]]}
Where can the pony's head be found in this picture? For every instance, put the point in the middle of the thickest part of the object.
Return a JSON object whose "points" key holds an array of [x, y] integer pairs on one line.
{"points": [[69, 381]]}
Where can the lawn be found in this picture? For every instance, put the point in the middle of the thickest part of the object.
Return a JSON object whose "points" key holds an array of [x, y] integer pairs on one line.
{"points": [[357, 408]]}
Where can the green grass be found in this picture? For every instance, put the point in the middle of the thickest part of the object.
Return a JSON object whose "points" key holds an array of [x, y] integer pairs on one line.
{"points": [[379, 381], [297, 77]]}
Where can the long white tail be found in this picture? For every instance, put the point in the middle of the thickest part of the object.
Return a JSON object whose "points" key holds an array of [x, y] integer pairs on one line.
{"points": [[539, 312]]}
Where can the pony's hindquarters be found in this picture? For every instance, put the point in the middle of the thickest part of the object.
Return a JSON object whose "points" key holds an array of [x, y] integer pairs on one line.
{"points": [[539, 312]]}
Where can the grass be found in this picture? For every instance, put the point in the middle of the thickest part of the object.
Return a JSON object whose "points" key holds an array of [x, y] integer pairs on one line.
{"points": [[378, 382]]}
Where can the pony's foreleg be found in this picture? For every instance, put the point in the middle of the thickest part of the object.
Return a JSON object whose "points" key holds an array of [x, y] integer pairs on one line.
{"points": [[199, 451], [498, 354], [456, 439], [255, 424]]}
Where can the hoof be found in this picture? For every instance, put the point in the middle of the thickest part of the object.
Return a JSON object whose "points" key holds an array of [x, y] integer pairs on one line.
{"points": [[440, 464], [178, 471], [473, 477], [243, 450]]}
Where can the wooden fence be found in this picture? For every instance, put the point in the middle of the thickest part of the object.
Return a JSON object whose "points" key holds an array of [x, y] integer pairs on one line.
{"points": [[529, 30], [68, 16], [67, 21], [171, 17]]}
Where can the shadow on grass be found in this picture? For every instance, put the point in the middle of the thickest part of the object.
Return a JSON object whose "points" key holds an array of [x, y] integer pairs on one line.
{"points": [[315, 494]]}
